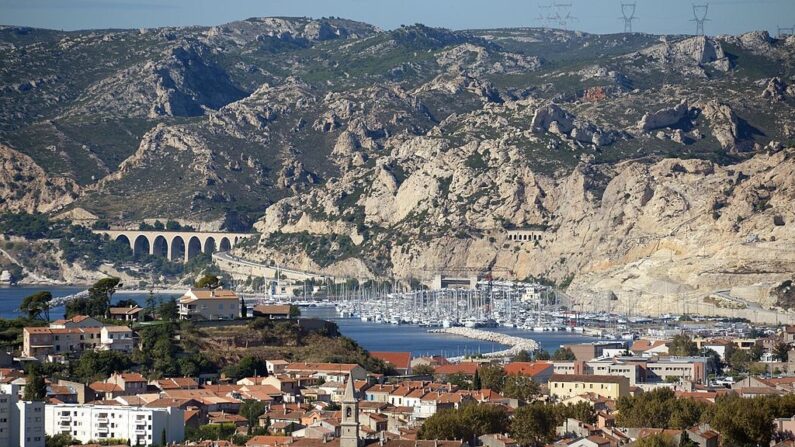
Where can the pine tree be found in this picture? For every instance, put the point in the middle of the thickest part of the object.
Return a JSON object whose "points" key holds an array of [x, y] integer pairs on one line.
{"points": [[36, 387], [476, 381]]}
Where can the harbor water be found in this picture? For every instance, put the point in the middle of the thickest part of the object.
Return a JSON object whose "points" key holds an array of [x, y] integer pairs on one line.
{"points": [[372, 336]]}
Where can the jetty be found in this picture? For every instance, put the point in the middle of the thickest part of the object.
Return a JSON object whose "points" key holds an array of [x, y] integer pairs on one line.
{"points": [[517, 344]]}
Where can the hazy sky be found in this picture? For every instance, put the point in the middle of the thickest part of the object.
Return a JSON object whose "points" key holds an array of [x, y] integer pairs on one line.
{"points": [[600, 16]]}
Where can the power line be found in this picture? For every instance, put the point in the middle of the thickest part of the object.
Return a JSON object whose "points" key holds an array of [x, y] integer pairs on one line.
{"points": [[563, 14], [700, 12], [628, 15], [544, 14], [784, 32]]}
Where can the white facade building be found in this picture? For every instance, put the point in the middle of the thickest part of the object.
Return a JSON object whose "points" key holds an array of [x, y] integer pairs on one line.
{"points": [[141, 426], [21, 422]]}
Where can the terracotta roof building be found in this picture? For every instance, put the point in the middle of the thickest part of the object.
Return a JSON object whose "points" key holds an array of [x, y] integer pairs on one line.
{"points": [[400, 361], [540, 372], [209, 304]]}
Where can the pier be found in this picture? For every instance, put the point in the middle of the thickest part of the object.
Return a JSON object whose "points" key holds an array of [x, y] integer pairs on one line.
{"points": [[517, 344]]}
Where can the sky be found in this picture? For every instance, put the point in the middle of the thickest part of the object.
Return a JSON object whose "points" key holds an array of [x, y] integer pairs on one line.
{"points": [[596, 16]]}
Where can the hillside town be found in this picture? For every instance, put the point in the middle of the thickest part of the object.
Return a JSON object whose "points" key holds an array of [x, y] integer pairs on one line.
{"points": [[669, 385]]}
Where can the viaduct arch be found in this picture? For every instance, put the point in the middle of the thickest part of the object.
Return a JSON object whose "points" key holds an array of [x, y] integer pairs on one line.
{"points": [[176, 245]]}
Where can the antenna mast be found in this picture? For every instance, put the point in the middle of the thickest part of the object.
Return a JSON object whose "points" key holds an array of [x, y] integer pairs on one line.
{"points": [[628, 15], [700, 12]]}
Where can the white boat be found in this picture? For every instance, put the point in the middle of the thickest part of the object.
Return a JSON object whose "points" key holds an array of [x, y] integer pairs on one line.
{"points": [[471, 323]]}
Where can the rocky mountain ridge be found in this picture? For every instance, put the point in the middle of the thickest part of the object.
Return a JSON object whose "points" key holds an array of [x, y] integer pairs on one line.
{"points": [[400, 153]]}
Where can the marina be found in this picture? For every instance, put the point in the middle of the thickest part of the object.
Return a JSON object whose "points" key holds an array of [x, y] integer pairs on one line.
{"points": [[527, 306]]}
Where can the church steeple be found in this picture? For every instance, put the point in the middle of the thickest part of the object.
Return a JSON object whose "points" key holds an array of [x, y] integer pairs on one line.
{"points": [[349, 426]]}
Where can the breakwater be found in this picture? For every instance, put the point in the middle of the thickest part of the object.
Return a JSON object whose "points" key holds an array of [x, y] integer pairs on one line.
{"points": [[517, 344]]}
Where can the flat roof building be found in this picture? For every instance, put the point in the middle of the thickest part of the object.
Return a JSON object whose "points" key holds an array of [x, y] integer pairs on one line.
{"points": [[140, 426], [21, 422]]}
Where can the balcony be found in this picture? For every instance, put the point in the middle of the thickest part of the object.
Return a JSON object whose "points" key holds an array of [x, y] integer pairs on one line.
{"points": [[101, 429], [63, 418], [102, 420]]}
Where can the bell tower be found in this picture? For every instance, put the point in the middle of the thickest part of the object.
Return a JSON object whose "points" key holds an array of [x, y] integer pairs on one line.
{"points": [[349, 426]]}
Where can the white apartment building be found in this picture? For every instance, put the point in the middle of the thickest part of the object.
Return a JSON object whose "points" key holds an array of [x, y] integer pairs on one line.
{"points": [[209, 304], [141, 426], [21, 422]]}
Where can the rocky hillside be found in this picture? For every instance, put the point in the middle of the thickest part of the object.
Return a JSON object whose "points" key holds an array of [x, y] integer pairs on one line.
{"points": [[648, 165]]}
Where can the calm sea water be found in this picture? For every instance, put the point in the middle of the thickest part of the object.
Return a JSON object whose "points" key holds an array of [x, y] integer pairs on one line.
{"points": [[11, 297], [372, 336], [386, 337]]}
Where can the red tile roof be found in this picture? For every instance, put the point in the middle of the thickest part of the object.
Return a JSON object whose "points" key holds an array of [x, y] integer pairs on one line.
{"points": [[102, 387], [176, 383], [269, 441], [529, 369], [400, 360], [273, 309], [466, 368], [322, 367]]}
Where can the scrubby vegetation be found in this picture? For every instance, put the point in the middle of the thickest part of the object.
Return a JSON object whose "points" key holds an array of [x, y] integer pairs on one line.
{"points": [[79, 245]]}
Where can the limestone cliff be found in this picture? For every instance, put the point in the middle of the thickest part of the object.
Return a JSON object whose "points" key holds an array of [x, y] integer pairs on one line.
{"points": [[26, 187]]}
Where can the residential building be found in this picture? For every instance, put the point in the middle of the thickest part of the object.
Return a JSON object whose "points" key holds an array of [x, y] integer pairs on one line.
{"points": [[81, 391], [272, 311], [269, 441], [72, 337], [704, 436], [129, 314], [21, 422], [464, 368], [592, 441], [648, 348], [432, 361], [400, 361], [61, 394], [78, 321], [590, 351], [329, 372], [125, 384], [116, 338], [379, 393], [209, 304], [563, 386], [140, 426], [284, 383], [497, 440], [642, 370], [276, 366], [432, 403], [540, 372], [175, 383]]}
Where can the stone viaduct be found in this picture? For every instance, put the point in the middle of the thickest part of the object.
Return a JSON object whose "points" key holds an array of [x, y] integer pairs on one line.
{"points": [[175, 245]]}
